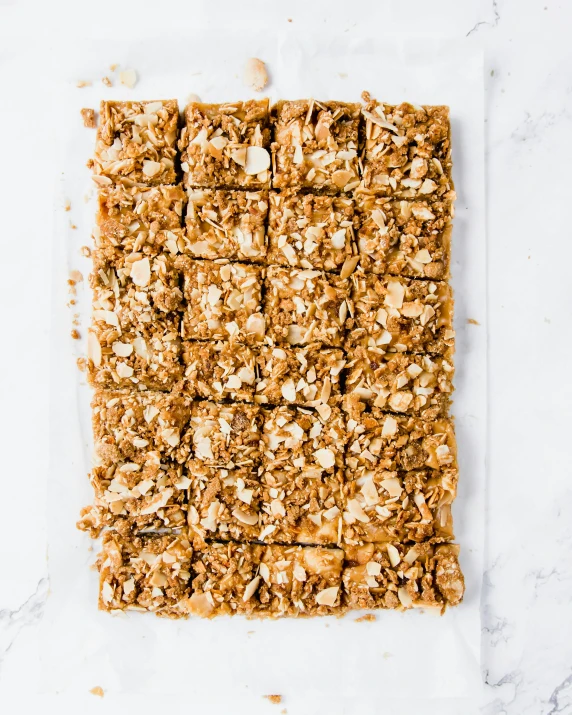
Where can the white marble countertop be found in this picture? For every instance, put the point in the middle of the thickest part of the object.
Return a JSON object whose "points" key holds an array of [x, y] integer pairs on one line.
{"points": [[527, 593]]}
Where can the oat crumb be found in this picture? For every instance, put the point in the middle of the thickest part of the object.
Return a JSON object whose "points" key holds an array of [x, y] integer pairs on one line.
{"points": [[289, 19], [113, 67], [274, 699], [98, 690], [88, 116], [75, 334], [343, 75], [75, 277], [85, 251], [90, 163], [83, 83], [72, 225], [367, 618], [128, 78], [81, 364], [255, 74], [283, 711], [107, 82], [67, 205], [472, 321]]}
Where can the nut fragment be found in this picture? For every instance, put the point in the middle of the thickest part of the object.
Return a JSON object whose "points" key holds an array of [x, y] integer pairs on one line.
{"points": [[255, 74], [88, 116], [128, 78]]}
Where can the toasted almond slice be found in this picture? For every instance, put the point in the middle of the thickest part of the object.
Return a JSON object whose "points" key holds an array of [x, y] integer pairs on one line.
{"points": [[257, 160]]}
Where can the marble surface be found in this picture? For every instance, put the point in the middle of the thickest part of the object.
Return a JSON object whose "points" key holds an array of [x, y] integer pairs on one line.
{"points": [[527, 592]]}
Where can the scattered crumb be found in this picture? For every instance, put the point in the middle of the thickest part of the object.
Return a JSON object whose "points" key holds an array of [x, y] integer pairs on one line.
{"points": [[128, 78], [274, 699], [289, 19], [113, 67], [98, 690], [75, 334], [76, 276], [107, 82], [283, 711], [386, 655], [72, 225], [72, 302], [343, 75], [255, 74], [367, 617], [89, 163], [88, 116], [67, 205], [472, 321], [249, 633], [85, 251], [492, 73], [193, 98], [76, 320], [81, 364], [83, 83]]}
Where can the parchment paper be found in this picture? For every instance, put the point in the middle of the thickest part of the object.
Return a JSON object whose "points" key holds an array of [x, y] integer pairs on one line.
{"points": [[319, 665]]}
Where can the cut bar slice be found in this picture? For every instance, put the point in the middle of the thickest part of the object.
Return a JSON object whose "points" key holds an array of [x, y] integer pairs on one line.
{"points": [[402, 577], [401, 315], [219, 371], [271, 581], [226, 224], [226, 436], [129, 426], [223, 301], [398, 382], [308, 376], [304, 306], [136, 143], [226, 145], [310, 231], [406, 150], [134, 336], [381, 505], [315, 145], [409, 238], [149, 572], [398, 442]]}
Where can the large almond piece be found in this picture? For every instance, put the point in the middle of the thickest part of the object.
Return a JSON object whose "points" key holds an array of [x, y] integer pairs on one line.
{"points": [[257, 160], [141, 272]]}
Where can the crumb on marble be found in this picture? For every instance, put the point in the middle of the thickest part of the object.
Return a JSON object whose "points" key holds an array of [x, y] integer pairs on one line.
{"points": [[274, 699], [472, 321], [75, 334], [368, 617], [98, 690]]}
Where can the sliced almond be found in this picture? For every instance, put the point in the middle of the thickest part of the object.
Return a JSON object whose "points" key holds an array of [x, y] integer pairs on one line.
{"points": [[257, 160]]}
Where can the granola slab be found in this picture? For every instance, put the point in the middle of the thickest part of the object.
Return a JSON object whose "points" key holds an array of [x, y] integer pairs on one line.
{"points": [[226, 224], [315, 145], [136, 143], [226, 145], [310, 230], [400, 314], [223, 301], [305, 305], [219, 371], [406, 150]]}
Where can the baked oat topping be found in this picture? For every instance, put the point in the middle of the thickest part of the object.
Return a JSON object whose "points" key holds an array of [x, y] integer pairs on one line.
{"points": [[88, 116], [219, 371]]}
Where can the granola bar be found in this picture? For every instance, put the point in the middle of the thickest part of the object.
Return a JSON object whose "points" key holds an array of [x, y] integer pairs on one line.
{"points": [[304, 306], [406, 150], [136, 141], [308, 376], [315, 145], [226, 436], [401, 315], [139, 219], [128, 426], [134, 336], [149, 572], [219, 371], [310, 230], [223, 301], [226, 224], [400, 576], [382, 505], [409, 238], [258, 580], [398, 442], [226, 145], [399, 382]]}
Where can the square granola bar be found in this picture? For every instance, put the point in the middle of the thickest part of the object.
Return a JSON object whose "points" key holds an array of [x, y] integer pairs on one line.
{"points": [[226, 145], [304, 306], [139, 219], [315, 145], [150, 572], [409, 238], [402, 577], [136, 142], [401, 315], [399, 382], [308, 376], [223, 301], [226, 224], [219, 371], [406, 150], [310, 230]]}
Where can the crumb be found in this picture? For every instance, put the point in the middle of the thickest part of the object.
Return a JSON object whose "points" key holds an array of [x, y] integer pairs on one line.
{"points": [[472, 321], [283, 711], [289, 19], [367, 618], [67, 205], [76, 277], [89, 163], [492, 73], [88, 116], [85, 251], [72, 225], [193, 98], [75, 334], [98, 690], [83, 83], [255, 74], [81, 364], [386, 655], [72, 302], [106, 81], [274, 699], [343, 75], [113, 67], [128, 78]]}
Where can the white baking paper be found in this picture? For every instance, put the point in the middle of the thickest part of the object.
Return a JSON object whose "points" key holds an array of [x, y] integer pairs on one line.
{"points": [[226, 665]]}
